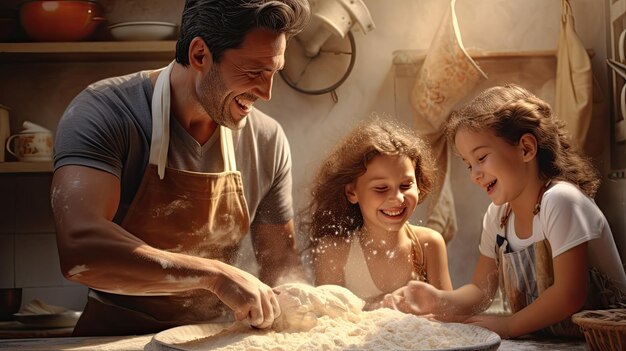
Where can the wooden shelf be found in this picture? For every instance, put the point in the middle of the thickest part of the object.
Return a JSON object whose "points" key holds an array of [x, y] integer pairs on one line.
{"points": [[26, 167], [88, 51], [405, 57]]}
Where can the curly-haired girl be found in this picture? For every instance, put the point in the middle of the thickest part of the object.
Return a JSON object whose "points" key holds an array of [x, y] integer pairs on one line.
{"points": [[362, 198]]}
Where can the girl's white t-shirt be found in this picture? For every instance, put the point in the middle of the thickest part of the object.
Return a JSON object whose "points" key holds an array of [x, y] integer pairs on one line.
{"points": [[567, 219]]}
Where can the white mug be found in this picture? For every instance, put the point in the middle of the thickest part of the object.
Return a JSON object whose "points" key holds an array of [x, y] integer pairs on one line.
{"points": [[31, 146]]}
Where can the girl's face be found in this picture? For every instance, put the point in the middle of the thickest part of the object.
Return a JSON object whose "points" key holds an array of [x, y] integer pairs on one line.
{"points": [[387, 193], [494, 165]]}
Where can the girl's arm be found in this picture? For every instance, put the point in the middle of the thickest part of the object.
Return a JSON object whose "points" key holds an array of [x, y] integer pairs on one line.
{"points": [[436, 254], [329, 259], [565, 297], [422, 298]]}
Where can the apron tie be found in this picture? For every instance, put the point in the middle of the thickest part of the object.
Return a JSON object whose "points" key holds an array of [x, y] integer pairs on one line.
{"points": [[161, 120]]}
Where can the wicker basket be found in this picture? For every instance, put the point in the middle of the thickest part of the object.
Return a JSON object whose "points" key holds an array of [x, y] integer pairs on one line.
{"points": [[605, 330]]}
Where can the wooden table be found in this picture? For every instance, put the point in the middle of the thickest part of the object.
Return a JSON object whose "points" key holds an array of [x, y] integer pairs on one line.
{"points": [[142, 343], [17, 330]]}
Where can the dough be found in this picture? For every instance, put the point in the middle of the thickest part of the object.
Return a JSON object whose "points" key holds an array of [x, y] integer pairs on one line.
{"points": [[330, 318], [301, 305]]}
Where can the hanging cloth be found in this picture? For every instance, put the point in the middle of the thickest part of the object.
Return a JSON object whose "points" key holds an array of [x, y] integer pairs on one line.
{"points": [[599, 124], [447, 75], [574, 80]]}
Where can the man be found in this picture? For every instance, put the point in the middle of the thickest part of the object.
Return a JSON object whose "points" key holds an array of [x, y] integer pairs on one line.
{"points": [[160, 174]]}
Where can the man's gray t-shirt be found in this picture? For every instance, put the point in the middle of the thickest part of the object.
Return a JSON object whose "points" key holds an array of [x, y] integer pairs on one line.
{"points": [[108, 126]]}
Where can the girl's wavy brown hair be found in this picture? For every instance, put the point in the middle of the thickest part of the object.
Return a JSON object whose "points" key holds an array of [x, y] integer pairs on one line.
{"points": [[329, 211], [511, 111]]}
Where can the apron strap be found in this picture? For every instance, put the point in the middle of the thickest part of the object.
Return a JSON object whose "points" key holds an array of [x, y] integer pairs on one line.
{"points": [[161, 127], [418, 258], [161, 120], [228, 149]]}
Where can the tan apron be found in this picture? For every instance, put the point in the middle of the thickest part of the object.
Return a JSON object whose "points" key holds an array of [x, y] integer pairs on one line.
{"points": [[199, 214], [527, 273]]}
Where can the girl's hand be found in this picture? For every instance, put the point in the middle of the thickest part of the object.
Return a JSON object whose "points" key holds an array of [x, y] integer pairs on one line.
{"points": [[416, 297], [497, 324]]}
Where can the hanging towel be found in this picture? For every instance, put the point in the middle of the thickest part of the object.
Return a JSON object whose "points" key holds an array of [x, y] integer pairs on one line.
{"points": [[599, 124], [574, 80], [447, 75]]}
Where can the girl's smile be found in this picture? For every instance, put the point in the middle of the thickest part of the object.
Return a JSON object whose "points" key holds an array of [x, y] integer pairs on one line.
{"points": [[387, 193], [490, 186], [495, 165]]}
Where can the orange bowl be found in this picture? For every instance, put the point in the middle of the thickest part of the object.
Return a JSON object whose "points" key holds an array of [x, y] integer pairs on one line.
{"points": [[62, 20]]}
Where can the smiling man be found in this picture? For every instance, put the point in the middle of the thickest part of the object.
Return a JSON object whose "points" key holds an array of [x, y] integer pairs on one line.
{"points": [[159, 175]]}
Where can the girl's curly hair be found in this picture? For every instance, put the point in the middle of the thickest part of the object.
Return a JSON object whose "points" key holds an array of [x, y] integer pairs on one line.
{"points": [[329, 211]]}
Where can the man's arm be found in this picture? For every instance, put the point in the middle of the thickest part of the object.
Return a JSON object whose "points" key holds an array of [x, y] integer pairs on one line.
{"points": [[276, 253], [97, 252]]}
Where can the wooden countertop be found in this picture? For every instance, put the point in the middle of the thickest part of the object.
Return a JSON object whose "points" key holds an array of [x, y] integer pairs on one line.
{"points": [[17, 330], [143, 343]]}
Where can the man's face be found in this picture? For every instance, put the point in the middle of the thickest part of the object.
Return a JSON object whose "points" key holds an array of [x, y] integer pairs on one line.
{"points": [[242, 76]]}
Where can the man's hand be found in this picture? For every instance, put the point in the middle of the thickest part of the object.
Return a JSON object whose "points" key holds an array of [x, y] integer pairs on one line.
{"points": [[247, 296]]}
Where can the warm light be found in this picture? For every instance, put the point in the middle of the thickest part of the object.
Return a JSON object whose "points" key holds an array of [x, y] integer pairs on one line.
{"points": [[50, 5]]}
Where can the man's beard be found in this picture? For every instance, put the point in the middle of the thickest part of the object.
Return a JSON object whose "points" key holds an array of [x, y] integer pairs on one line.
{"points": [[212, 89]]}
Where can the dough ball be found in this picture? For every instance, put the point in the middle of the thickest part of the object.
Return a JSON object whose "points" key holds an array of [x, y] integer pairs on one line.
{"points": [[302, 304]]}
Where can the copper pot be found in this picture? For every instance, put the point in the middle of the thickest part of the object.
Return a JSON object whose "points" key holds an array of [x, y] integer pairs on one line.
{"points": [[62, 20]]}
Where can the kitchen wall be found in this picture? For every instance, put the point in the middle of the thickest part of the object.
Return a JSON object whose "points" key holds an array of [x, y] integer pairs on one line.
{"points": [[376, 85], [312, 123]]}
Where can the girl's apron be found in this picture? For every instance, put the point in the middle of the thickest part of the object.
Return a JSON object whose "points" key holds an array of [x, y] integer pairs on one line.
{"points": [[527, 273], [198, 214]]}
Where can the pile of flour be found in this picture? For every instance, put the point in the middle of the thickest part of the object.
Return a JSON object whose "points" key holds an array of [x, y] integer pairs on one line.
{"points": [[330, 317]]}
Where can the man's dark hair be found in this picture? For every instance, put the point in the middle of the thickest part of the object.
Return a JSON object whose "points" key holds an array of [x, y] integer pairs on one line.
{"points": [[222, 24]]}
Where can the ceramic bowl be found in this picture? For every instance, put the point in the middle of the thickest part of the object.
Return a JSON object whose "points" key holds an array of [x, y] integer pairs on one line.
{"points": [[52, 320], [66, 20], [143, 31]]}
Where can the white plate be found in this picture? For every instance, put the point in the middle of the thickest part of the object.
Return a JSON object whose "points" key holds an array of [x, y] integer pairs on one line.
{"points": [[205, 336], [143, 31], [58, 320]]}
